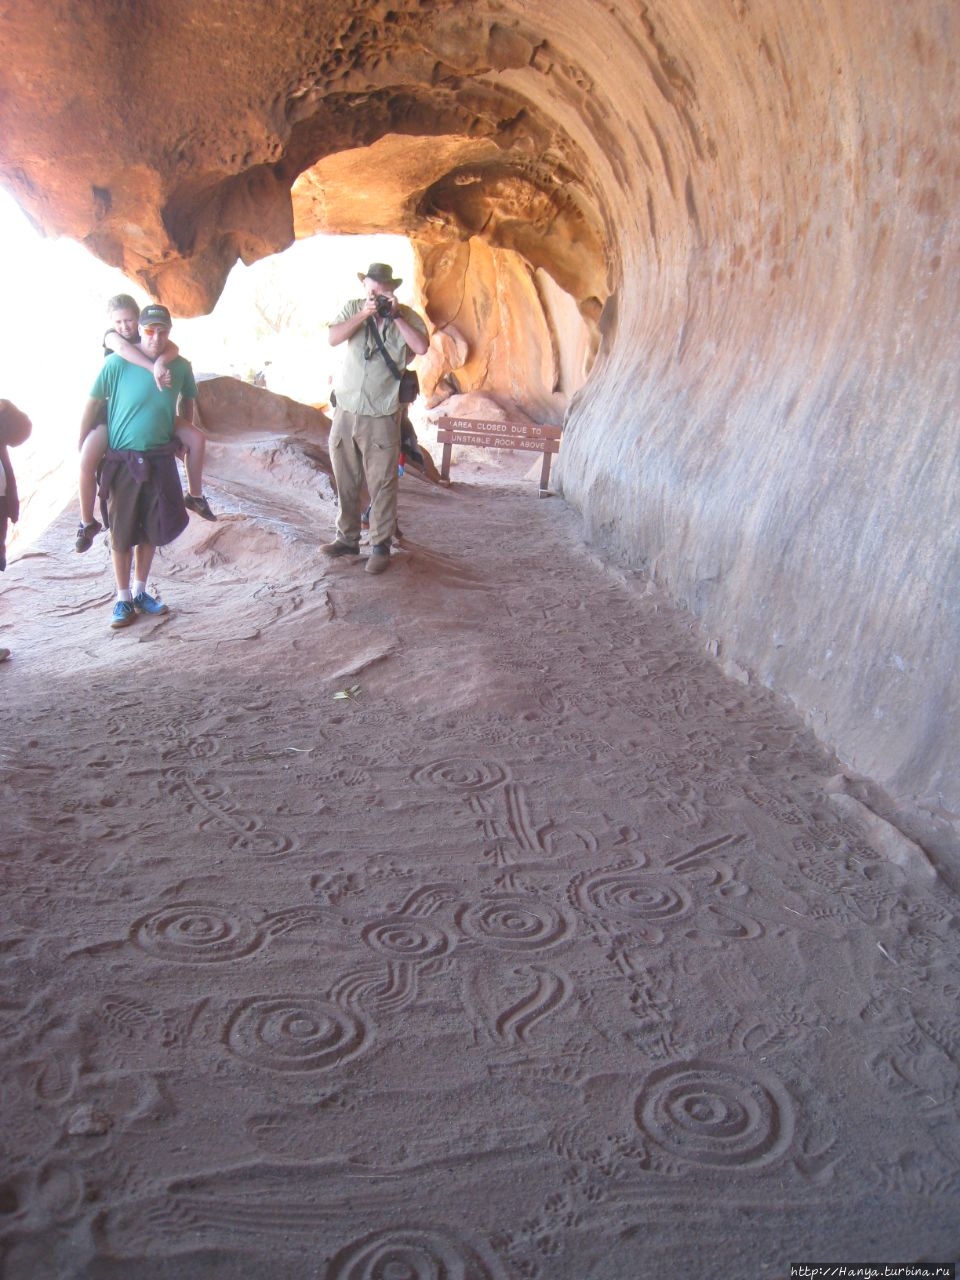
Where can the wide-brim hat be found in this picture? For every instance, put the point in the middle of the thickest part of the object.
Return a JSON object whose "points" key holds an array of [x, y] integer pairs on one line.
{"points": [[382, 273]]}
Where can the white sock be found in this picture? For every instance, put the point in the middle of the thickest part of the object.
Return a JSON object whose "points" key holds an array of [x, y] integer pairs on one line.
{"points": [[124, 594], [138, 587]]}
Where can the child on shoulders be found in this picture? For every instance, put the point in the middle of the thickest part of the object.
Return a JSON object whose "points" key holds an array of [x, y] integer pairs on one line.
{"points": [[123, 339]]}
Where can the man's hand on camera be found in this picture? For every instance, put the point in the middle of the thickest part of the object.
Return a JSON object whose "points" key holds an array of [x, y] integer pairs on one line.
{"points": [[386, 305]]}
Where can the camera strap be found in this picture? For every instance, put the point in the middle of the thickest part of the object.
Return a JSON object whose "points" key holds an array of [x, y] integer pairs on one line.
{"points": [[371, 324]]}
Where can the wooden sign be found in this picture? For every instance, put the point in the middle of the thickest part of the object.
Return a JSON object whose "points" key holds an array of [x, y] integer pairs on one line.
{"points": [[483, 441], [530, 437], [516, 430]]}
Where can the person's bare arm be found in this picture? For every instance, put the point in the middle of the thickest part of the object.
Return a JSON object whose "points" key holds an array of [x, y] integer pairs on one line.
{"points": [[130, 352], [92, 414], [185, 409], [414, 339], [338, 333], [161, 366]]}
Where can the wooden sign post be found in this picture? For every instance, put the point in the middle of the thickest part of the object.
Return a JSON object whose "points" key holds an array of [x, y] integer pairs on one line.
{"points": [[530, 437]]}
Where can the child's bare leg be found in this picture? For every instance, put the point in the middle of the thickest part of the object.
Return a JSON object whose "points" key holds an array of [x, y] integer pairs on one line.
{"points": [[195, 445], [91, 455], [3, 546]]}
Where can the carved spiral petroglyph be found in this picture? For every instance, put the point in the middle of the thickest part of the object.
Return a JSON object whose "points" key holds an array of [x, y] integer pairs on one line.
{"points": [[634, 895], [514, 923], [461, 773], [711, 1114], [195, 933], [294, 1033], [405, 938], [410, 1253]]}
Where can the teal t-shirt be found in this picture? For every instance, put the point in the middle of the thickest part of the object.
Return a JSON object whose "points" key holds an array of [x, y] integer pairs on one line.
{"points": [[138, 415]]}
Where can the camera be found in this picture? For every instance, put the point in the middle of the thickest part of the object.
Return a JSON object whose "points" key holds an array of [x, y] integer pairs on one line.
{"points": [[384, 306]]}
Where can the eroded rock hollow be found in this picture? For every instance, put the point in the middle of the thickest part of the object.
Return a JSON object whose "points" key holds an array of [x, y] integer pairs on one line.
{"points": [[718, 238]]}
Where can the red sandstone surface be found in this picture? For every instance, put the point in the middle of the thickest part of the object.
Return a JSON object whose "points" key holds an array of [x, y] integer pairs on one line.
{"points": [[543, 950]]}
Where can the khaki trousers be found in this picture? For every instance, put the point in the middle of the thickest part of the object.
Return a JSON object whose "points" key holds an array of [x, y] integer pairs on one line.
{"points": [[365, 447]]}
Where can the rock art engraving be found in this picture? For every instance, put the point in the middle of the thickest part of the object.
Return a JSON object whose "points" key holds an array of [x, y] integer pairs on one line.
{"points": [[244, 834], [550, 992], [411, 1253], [405, 938], [422, 954], [461, 774], [294, 1033], [644, 899], [717, 925], [724, 1117], [700, 860], [514, 924], [428, 899], [196, 933], [504, 817]]}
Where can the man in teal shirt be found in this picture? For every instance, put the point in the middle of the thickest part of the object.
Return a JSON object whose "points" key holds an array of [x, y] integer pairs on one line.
{"points": [[140, 491]]}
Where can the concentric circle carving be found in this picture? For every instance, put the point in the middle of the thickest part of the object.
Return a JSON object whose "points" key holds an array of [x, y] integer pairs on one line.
{"points": [[715, 1115], [410, 1254], [405, 938], [461, 773], [634, 895], [294, 1033], [514, 924], [196, 933]]}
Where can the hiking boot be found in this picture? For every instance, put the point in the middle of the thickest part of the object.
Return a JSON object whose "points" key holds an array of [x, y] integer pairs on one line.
{"points": [[86, 534], [124, 614], [200, 505], [339, 548], [379, 561], [144, 603]]}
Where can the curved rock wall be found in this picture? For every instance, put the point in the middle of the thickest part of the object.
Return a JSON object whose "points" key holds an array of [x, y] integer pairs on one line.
{"points": [[738, 216], [777, 440]]}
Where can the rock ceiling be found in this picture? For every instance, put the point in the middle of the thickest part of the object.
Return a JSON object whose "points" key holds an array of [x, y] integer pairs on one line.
{"points": [[170, 147]]}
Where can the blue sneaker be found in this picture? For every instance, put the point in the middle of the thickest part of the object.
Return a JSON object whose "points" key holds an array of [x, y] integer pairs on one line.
{"points": [[123, 614], [146, 604]]}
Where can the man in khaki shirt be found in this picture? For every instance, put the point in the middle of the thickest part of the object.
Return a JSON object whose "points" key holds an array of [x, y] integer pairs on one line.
{"points": [[365, 436]]}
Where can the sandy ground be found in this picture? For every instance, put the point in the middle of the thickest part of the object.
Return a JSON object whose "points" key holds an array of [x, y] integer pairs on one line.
{"points": [[546, 953]]}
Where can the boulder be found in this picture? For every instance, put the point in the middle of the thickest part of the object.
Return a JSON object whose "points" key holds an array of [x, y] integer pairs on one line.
{"points": [[231, 410]]}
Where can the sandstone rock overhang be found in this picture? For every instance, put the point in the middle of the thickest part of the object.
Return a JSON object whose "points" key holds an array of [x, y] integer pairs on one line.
{"points": [[738, 217], [169, 144]]}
